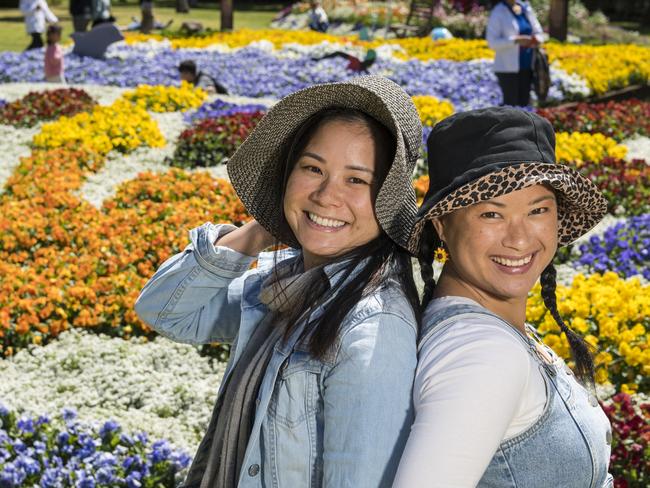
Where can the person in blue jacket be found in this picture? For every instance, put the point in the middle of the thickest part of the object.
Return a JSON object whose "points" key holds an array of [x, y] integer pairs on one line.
{"points": [[513, 31], [317, 392]]}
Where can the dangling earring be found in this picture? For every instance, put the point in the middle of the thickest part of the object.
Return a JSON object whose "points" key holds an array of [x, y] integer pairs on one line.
{"points": [[440, 255]]}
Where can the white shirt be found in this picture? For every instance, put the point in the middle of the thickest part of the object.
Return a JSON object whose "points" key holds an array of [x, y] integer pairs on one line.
{"points": [[476, 385], [502, 28], [36, 12], [318, 15]]}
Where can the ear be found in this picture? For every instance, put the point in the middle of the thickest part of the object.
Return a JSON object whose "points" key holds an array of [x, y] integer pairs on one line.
{"points": [[440, 227]]}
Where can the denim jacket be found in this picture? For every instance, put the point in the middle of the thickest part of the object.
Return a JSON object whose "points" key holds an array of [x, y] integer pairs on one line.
{"points": [[337, 422]]}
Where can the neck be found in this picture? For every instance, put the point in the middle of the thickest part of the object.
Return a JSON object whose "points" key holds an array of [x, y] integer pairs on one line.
{"points": [[513, 310], [511, 2]]}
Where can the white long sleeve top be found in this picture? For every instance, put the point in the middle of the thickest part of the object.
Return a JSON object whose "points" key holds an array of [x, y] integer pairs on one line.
{"points": [[475, 386], [36, 13], [502, 29]]}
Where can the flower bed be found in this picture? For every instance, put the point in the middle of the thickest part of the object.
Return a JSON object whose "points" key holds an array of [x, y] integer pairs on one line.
{"points": [[221, 108], [166, 98], [36, 107], [614, 316], [630, 419], [121, 127], [210, 141], [625, 184], [624, 248], [34, 452], [618, 120], [578, 147], [162, 387], [432, 110]]}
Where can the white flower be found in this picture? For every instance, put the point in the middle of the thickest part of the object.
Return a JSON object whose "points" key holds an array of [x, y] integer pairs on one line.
{"points": [[163, 388], [638, 147], [14, 144]]}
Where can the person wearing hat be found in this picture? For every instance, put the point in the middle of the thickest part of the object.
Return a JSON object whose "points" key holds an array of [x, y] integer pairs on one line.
{"points": [[495, 407], [317, 391]]}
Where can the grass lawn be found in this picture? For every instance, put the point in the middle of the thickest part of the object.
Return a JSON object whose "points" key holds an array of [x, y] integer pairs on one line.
{"points": [[14, 38]]}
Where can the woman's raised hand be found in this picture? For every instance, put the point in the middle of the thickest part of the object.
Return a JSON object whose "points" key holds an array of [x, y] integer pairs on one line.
{"points": [[250, 239]]}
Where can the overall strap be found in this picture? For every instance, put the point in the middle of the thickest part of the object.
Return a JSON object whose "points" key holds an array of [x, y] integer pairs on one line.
{"points": [[442, 319]]}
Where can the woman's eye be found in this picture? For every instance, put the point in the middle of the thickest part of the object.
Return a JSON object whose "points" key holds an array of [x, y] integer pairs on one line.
{"points": [[539, 210], [490, 215], [312, 169], [358, 181]]}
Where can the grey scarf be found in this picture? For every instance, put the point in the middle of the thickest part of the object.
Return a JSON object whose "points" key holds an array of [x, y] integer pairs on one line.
{"points": [[220, 456]]}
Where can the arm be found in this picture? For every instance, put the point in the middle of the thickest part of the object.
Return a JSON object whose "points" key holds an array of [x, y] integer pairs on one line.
{"points": [[494, 32], [538, 32], [195, 296], [466, 393], [29, 6], [367, 403]]}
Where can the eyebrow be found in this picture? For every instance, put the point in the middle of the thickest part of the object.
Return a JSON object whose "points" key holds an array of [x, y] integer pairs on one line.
{"points": [[351, 166], [533, 202]]}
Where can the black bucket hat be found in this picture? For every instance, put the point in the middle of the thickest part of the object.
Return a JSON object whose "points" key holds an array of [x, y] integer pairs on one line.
{"points": [[256, 169], [481, 154]]}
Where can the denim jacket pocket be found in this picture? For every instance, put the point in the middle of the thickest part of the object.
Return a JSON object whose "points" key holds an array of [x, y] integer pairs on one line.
{"points": [[296, 395]]}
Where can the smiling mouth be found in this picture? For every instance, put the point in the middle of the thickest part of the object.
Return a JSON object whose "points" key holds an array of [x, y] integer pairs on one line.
{"points": [[513, 263], [325, 222]]}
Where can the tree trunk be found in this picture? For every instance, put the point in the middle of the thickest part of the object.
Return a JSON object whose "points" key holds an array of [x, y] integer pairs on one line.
{"points": [[558, 18], [182, 6], [146, 24], [226, 15]]}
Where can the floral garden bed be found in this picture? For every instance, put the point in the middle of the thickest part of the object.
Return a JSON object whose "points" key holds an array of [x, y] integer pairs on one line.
{"points": [[89, 208]]}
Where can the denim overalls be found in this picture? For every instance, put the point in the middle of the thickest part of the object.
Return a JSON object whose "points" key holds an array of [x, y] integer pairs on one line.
{"points": [[568, 446]]}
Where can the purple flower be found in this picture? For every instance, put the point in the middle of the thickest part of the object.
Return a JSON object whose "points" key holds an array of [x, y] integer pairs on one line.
{"points": [[69, 414], [26, 425], [108, 428]]}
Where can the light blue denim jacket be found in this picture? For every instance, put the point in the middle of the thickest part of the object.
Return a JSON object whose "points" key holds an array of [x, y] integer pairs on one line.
{"points": [[338, 422]]}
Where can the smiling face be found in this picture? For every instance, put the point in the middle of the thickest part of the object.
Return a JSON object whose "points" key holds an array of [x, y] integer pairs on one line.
{"points": [[500, 247], [330, 193]]}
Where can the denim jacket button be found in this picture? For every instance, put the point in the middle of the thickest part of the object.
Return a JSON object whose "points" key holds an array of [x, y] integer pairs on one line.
{"points": [[253, 469]]}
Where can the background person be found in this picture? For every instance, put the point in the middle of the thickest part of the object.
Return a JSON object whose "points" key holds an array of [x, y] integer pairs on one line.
{"points": [[494, 406], [54, 64], [36, 13], [512, 31], [188, 72], [318, 20], [317, 391]]}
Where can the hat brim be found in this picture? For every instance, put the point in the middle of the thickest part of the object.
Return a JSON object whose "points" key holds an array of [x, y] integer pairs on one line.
{"points": [[256, 170], [580, 204]]}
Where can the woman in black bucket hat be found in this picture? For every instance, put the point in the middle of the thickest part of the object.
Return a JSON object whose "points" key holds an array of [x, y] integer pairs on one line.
{"points": [[494, 406], [317, 391]]}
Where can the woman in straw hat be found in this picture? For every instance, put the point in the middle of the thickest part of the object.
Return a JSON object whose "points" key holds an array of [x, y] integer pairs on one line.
{"points": [[494, 407], [317, 391]]}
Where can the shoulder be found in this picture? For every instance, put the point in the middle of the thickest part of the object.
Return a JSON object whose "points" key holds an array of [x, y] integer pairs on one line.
{"points": [[381, 324], [389, 303], [480, 342]]}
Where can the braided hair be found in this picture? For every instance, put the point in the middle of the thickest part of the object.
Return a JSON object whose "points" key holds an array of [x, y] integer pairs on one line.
{"points": [[580, 350], [429, 242]]}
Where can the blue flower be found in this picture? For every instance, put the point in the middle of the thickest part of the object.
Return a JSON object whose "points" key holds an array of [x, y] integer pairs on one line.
{"points": [[108, 428], [25, 425], [69, 414]]}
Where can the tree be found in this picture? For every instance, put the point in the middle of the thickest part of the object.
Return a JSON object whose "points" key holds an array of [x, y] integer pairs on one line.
{"points": [[226, 15], [146, 24], [182, 6], [558, 18]]}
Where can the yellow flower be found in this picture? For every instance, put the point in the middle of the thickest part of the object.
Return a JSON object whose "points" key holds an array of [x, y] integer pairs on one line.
{"points": [[578, 147], [166, 98], [431, 109]]}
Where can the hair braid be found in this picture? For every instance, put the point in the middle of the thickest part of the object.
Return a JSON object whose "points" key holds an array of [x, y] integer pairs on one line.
{"points": [[580, 350], [428, 245]]}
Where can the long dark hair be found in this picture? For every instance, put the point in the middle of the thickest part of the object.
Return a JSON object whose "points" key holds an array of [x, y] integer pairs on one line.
{"points": [[580, 350], [375, 264]]}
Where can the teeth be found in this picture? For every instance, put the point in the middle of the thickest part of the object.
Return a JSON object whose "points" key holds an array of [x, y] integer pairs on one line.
{"points": [[513, 263], [325, 222]]}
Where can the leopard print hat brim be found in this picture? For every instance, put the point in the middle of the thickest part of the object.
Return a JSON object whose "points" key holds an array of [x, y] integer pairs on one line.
{"points": [[580, 204]]}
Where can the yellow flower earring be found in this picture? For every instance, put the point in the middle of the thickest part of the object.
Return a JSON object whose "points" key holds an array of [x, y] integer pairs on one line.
{"points": [[440, 255]]}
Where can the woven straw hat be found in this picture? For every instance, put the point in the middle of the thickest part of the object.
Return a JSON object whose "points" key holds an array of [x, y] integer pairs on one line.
{"points": [[256, 169]]}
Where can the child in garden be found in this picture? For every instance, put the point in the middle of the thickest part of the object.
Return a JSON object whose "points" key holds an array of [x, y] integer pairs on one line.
{"points": [[54, 56], [36, 13]]}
